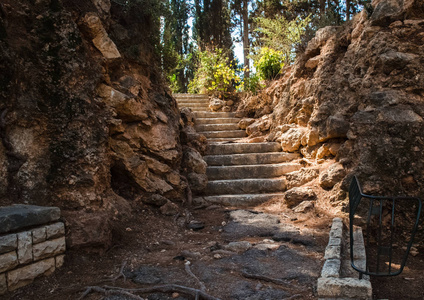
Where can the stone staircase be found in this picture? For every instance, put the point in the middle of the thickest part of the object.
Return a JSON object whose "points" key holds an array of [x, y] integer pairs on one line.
{"points": [[239, 173]]}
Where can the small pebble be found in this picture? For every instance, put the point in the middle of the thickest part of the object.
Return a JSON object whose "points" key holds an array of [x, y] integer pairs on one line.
{"points": [[217, 256], [175, 295]]}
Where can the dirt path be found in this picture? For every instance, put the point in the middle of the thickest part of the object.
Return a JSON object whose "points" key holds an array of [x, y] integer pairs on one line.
{"points": [[239, 254]]}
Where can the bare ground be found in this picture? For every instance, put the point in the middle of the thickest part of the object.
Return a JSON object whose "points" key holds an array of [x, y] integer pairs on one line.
{"points": [[283, 263]]}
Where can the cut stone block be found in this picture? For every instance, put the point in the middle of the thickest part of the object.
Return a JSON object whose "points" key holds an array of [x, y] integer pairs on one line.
{"points": [[8, 243], [25, 275], [3, 284], [49, 248], [25, 247], [55, 230], [333, 252], [344, 288], [39, 235], [334, 241], [60, 260], [331, 268], [8, 261], [20, 216], [358, 237], [359, 252], [336, 230]]}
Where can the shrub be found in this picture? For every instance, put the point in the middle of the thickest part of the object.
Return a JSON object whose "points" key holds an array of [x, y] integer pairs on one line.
{"points": [[251, 84], [214, 74], [269, 63]]}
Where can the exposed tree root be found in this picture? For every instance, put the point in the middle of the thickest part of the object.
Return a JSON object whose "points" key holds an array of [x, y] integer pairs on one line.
{"points": [[189, 272], [121, 272], [167, 288], [280, 282]]}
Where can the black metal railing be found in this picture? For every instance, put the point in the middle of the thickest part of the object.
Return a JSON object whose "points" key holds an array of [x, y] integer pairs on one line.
{"points": [[389, 225]]}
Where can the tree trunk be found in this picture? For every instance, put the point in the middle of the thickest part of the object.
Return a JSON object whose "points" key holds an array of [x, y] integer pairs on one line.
{"points": [[246, 46], [347, 10], [322, 6]]}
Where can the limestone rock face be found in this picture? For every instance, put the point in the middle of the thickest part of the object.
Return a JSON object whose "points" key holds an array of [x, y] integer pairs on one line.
{"points": [[355, 96], [101, 40], [245, 122], [86, 123], [291, 139]]}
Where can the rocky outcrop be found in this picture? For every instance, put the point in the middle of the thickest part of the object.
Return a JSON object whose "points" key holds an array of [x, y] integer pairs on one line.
{"points": [[355, 96], [86, 123]]}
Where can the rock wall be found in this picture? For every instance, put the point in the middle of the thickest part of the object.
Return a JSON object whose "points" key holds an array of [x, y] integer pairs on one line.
{"points": [[86, 123], [356, 96], [32, 244]]}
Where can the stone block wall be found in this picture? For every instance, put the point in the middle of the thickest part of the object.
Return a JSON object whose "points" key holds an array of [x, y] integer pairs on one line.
{"points": [[30, 248], [336, 283]]}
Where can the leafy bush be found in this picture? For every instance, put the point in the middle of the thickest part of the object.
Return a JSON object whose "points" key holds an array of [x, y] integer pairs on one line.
{"points": [[269, 63], [214, 74], [251, 84]]}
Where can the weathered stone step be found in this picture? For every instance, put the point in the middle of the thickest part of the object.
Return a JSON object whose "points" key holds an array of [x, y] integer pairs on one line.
{"points": [[217, 120], [250, 171], [204, 99], [224, 134], [216, 127], [198, 109], [189, 104], [250, 158], [245, 186], [222, 140], [237, 148], [215, 114], [243, 200], [190, 96]]}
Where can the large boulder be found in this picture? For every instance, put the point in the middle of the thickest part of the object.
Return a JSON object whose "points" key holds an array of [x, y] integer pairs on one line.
{"points": [[334, 174], [297, 195], [197, 182], [292, 139], [193, 161], [216, 104]]}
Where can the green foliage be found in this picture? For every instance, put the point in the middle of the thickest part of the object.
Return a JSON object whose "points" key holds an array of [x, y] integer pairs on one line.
{"points": [[177, 77], [280, 34], [270, 63], [214, 74], [251, 84]]}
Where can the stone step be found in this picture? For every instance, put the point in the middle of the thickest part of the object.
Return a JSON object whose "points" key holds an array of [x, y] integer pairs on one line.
{"points": [[198, 109], [215, 114], [192, 100], [222, 140], [216, 120], [190, 96], [224, 134], [237, 148], [245, 186], [243, 200], [190, 104], [250, 158], [216, 127], [250, 171]]}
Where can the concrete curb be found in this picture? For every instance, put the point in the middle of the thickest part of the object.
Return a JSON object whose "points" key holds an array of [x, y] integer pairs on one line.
{"points": [[331, 285]]}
